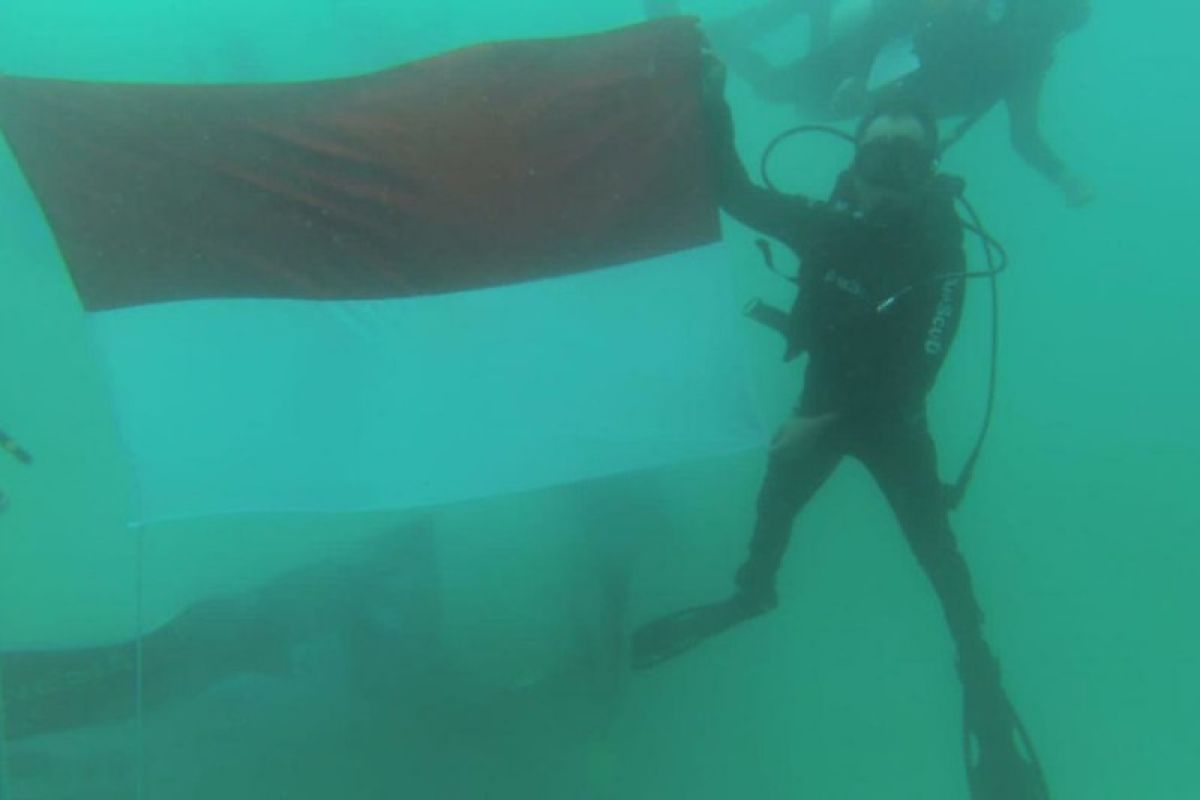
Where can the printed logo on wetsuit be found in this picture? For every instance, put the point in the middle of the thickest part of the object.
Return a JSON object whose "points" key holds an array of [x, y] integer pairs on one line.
{"points": [[935, 339]]}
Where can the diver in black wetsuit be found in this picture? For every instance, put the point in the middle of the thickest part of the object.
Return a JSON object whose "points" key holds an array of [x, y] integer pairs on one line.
{"points": [[971, 55], [881, 296], [881, 293]]}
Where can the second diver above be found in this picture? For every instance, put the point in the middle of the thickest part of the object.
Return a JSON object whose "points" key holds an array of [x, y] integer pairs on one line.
{"points": [[961, 57]]}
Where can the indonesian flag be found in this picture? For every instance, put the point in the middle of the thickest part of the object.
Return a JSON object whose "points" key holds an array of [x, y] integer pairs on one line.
{"points": [[481, 273]]}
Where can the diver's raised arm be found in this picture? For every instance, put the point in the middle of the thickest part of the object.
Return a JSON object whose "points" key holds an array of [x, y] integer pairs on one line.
{"points": [[778, 215], [1024, 117]]}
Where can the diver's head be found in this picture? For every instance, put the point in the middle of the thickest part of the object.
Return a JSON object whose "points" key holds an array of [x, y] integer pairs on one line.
{"points": [[896, 147]]}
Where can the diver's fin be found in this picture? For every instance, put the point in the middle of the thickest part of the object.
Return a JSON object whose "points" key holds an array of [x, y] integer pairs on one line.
{"points": [[677, 633], [1000, 758]]}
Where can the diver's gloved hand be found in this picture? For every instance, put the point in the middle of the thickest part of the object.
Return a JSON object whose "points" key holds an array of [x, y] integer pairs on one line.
{"points": [[1077, 190]]}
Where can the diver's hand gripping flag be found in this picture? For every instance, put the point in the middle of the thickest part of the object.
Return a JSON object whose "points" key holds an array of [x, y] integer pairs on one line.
{"points": [[475, 274]]}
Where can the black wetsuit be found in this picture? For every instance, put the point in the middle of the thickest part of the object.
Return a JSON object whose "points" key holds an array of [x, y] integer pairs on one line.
{"points": [[969, 63], [1008, 64], [872, 368]]}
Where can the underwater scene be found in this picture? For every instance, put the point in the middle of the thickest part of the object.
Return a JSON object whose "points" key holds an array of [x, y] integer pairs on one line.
{"points": [[693, 399]]}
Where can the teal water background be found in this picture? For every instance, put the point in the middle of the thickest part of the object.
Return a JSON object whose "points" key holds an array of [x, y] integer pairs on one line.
{"points": [[1080, 529]]}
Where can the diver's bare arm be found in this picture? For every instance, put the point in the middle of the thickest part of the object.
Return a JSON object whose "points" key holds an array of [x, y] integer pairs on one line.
{"points": [[1024, 115]]}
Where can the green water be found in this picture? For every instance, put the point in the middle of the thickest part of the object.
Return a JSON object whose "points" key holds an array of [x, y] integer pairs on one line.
{"points": [[1080, 528]]}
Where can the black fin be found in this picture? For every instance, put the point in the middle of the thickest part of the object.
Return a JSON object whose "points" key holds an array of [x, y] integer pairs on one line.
{"points": [[678, 633], [999, 754]]}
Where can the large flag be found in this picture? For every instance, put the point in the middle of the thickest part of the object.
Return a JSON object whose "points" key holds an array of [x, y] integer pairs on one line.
{"points": [[485, 272]]}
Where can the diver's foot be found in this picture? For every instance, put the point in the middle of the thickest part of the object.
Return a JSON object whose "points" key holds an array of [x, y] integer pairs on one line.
{"points": [[755, 600], [755, 588]]}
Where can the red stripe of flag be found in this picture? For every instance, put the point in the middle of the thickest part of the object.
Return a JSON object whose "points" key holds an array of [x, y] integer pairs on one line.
{"points": [[490, 165]]}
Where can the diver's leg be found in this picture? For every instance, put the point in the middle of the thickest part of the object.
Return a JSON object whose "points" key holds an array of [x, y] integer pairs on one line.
{"points": [[902, 459], [812, 82], [735, 38], [1001, 762], [803, 456]]}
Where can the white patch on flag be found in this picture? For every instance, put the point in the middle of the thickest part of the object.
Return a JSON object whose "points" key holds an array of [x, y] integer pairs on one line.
{"points": [[232, 406]]}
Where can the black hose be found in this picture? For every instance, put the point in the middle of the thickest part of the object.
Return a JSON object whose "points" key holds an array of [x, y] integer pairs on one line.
{"points": [[958, 490], [764, 163]]}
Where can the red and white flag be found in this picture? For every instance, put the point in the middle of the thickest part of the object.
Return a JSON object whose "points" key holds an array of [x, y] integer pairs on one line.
{"points": [[480, 273]]}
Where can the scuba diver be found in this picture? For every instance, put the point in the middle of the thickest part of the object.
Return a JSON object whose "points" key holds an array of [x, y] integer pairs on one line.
{"points": [[10, 445], [881, 290], [961, 57]]}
